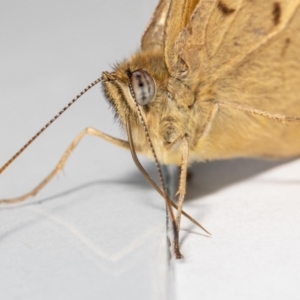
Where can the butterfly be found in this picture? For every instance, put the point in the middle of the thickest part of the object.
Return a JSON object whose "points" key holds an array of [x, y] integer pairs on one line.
{"points": [[212, 80]]}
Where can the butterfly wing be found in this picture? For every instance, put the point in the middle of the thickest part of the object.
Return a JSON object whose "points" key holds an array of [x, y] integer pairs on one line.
{"points": [[222, 35], [153, 37], [179, 16], [245, 52]]}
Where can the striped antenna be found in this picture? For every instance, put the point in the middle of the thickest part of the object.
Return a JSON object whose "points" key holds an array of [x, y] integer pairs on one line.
{"points": [[49, 123]]}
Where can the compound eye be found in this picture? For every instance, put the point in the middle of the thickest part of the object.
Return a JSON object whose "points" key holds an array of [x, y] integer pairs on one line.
{"points": [[143, 86]]}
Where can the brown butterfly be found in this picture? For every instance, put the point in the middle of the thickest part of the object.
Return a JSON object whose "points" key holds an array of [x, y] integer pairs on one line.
{"points": [[212, 80]]}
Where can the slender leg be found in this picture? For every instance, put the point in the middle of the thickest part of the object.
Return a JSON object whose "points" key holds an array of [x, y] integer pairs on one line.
{"points": [[262, 113], [184, 144], [184, 159], [216, 106], [207, 125], [62, 161], [182, 180]]}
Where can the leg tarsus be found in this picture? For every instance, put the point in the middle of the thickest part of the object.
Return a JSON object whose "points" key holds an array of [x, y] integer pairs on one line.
{"points": [[182, 180]]}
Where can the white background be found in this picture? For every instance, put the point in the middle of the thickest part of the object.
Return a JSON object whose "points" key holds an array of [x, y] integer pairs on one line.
{"points": [[97, 231]]}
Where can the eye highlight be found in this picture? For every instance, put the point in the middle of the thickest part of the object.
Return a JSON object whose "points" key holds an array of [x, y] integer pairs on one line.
{"points": [[143, 86]]}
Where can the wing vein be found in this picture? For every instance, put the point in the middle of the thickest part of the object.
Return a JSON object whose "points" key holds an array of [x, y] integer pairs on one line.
{"points": [[239, 59], [228, 28]]}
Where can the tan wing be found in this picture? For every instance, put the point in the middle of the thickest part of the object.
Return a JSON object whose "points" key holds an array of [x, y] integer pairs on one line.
{"points": [[248, 54], [221, 35], [179, 16], [153, 37]]}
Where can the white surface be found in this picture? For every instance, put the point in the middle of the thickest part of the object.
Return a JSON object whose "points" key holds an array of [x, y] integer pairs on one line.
{"points": [[99, 230], [252, 209]]}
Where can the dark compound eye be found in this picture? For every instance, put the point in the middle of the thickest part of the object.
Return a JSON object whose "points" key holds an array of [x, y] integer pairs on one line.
{"points": [[143, 86]]}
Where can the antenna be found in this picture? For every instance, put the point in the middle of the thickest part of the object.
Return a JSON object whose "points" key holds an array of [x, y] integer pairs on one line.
{"points": [[49, 123]]}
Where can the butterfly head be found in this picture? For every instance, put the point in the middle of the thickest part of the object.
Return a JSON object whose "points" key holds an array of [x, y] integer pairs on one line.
{"points": [[140, 90]]}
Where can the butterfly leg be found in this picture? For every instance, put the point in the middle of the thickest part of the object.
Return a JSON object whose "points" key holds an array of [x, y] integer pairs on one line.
{"points": [[184, 144], [185, 153], [182, 179], [276, 117], [88, 131], [207, 125], [262, 113]]}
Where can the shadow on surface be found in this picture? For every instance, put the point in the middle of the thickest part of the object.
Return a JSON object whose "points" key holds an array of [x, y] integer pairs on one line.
{"points": [[206, 178], [210, 177]]}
